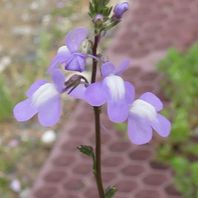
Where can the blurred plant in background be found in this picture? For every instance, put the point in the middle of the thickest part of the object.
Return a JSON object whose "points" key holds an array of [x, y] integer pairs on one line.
{"points": [[180, 85], [20, 64], [31, 64], [5, 101]]}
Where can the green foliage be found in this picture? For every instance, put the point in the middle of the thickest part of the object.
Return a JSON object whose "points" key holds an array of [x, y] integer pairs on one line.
{"points": [[67, 10], [6, 103], [180, 85], [181, 71], [186, 176], [87, 150], [99, 7], [122, 127], [110, 191], [42, 53]]}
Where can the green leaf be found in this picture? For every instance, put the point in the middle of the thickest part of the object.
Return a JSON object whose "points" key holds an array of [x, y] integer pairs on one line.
{"points": [[3, 182], [180, 165], [194, 170], [110, 191], [87, 150]]}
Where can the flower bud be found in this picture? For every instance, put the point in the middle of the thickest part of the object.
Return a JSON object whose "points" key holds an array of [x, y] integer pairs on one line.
{"points": [[98, 19], [120, 9]]}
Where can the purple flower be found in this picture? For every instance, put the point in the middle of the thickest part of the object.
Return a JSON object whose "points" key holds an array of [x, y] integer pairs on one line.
{"points": [[143, 116], [113, 90], [69, 54], [120, 9], [42, 98]]}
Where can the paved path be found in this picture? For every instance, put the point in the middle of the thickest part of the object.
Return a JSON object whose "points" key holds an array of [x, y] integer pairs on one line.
{"points": [[148, 30]]}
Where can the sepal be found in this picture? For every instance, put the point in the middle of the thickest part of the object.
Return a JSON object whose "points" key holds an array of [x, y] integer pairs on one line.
{"points": [[86, 150], [110, 191]]}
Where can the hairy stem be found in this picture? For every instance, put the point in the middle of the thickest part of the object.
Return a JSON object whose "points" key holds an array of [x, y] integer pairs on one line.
{"points": [[98, 174]]}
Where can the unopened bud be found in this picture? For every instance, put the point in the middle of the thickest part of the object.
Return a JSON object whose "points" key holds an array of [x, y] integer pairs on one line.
{"points": [[120, 9], [99, 18]]}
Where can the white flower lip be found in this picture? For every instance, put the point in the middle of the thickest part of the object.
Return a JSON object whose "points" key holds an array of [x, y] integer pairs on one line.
{"points": [[143, 109], [63, 49], [43, 94], [116, 87]]}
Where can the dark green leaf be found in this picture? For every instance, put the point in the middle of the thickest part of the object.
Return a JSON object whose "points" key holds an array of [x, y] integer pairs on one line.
{"points": [[110, 191], [87, 150]]}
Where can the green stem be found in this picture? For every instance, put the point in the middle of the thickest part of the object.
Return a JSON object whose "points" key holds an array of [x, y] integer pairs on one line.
{"points": [[98, 174]]}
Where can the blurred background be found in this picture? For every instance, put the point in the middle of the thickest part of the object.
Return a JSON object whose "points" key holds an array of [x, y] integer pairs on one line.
{"points": [[161, 37], [30, 31]]}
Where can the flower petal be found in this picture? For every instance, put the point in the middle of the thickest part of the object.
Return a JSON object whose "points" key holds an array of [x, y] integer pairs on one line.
{"points": [[59, 79], [50, 112], [107, 69], [76, 63], [117, 111], [44, 94], [24, 110], [63, 55], [130, 92], [34, 87], [74, 38], [95, 94], [139, 130], [114, 86], [153, 100], [79, 92], [162, 125], [123, 67]]}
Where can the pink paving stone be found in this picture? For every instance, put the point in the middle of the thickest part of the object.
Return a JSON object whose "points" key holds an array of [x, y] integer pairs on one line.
{"points": [[140, 155], [63, 160], [126, 186], [120, 146], [68, 196], [80, 130], [73, 184], [46, 192], [84, 118], [82, 169], [149, 76], [71, 145], [155, 179], [171, 190], [105, 136], [91, 193], [158, 166], [54, 176], [106, 127], [148, 194], [133, 170], [108, 176], [112, 161]]}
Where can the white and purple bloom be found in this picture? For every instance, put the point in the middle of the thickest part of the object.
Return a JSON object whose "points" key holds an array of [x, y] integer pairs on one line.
{"points": [[144, 116], [120, 9], [69, 54], [43, 98], [112, 90]]}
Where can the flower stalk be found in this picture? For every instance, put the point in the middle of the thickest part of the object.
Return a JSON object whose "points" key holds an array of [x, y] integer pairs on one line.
{"points": [[98, 174]]}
